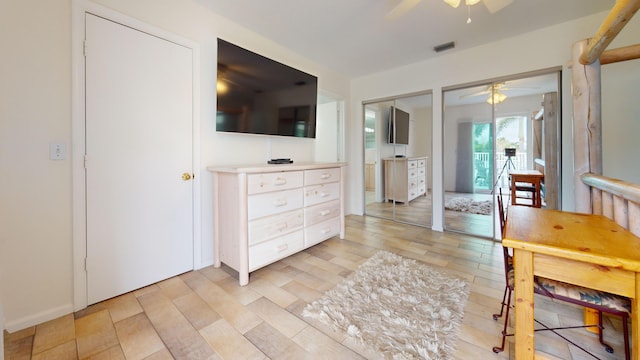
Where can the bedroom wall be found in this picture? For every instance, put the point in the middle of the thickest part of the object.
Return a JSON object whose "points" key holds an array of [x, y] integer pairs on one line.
{"points": [[36, 234], [541, 49]]}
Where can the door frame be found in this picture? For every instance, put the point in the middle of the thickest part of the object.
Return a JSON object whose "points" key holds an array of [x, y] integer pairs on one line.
{"points": [[78, 92]]}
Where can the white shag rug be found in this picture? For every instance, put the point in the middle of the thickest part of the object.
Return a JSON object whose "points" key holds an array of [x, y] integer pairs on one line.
{"points": [[468, 205], [399, 307]]}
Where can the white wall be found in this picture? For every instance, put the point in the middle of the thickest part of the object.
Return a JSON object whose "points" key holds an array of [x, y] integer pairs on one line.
{"points": [[327, 132], [621, 118], [542, 49], [421, 133], [1, 328], [36, 198]]}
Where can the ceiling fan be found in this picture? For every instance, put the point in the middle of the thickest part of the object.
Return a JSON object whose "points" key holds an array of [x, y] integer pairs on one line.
{"points": [[495, 92], [492, 5]]}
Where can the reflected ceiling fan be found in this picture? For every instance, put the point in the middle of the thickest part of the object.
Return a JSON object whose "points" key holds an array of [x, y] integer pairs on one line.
{"points": [[495, 92], [492, 5]]}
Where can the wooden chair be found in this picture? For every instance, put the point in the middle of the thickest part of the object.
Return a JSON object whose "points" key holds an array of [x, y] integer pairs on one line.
{"points": [[594, 299]]}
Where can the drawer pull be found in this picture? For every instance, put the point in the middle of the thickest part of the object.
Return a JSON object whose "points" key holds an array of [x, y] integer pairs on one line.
{"points": [[324, 194], [325, 212], [283, 226], [282, 247], [325, 231], [325, 176], [281, 202], [279, 181]]}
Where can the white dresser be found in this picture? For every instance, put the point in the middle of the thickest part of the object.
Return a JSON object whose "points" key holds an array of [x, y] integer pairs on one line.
{"points": [[264, 213], [405, 178]]}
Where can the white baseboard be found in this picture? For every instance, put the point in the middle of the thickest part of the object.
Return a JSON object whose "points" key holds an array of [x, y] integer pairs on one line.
{"points": [[35, 319], [204, 263]]}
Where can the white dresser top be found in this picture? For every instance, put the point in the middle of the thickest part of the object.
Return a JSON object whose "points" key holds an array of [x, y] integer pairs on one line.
{"points": [[405, 158], [265, 168]]}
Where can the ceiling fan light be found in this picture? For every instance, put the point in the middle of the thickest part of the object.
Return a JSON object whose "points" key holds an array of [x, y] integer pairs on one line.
{"points": [[496, 98], [453, 3], [221, 86], [471, 2]]}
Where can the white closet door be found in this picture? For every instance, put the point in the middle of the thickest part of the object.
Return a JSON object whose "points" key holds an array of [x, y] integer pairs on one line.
{"points": [[138, 145]]}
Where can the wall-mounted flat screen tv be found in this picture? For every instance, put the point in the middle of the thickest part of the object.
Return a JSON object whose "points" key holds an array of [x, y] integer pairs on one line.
{"points": [[262, 96], [398, 126]]}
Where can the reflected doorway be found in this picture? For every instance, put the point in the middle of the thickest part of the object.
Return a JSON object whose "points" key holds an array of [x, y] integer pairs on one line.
{"points": [[397, 158]]}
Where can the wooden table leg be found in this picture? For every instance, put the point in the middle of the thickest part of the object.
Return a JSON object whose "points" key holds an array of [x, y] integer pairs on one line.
{"points": [[524, 334], [635, 321]]}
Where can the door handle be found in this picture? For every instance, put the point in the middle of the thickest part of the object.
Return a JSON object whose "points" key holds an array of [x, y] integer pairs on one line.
{"points": [[186, 176]]}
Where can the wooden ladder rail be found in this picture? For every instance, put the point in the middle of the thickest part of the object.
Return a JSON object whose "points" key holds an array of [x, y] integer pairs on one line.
{"points": [[616, 199], [619, 201]]}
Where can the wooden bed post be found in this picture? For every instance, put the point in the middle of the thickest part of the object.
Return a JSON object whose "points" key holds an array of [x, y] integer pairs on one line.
{"points": [[587, 124], [587, 57]]}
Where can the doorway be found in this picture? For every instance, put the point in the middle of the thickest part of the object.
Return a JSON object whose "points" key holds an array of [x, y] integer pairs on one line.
{"points": [[135, 189], [329, 142]]}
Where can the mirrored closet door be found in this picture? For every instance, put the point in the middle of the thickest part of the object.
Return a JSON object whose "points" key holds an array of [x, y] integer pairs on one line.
{"points": [[494, 129], [397, 158], [468, 161]]}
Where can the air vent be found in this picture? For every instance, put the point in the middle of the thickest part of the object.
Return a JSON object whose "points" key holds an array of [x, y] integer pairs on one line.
{"points": [[445, 46]]}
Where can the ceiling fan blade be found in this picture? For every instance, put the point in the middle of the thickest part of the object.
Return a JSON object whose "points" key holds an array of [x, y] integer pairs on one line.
{"points": [[519, 88], [496, 5], [483, 92], [402, 8]]}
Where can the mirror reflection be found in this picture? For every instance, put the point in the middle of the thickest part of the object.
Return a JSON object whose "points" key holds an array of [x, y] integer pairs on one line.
{"points": [[397, 141], [500, 137]]}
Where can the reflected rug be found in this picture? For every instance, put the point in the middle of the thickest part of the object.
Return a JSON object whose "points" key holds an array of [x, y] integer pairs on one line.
{"points": [[401, 308], [468, 205]]}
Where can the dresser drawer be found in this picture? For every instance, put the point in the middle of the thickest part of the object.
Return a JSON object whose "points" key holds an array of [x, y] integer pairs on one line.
{"points": [[422, 162], [276, 249], [261, 183], [275, 225], [412, 164], [273, 203], [321, 176], [413, 193], [321, 232], [413, 173], [422, 171], [322, 212], [321, 193]]}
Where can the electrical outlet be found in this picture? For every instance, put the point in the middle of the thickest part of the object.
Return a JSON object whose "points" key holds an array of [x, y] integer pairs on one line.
{"points": [[57, 151]]}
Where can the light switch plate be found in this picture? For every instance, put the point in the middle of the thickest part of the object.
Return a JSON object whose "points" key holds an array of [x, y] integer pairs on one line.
{"points": [[57, 151]]}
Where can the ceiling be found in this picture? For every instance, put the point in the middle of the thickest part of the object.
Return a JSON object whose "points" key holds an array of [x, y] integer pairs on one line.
{"points": [[356, 38]]}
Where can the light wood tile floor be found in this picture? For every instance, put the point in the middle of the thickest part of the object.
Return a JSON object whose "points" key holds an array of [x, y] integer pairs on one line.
{"points": [[204, 314]]}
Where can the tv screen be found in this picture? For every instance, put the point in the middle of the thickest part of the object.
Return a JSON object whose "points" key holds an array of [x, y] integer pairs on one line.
{"points": [[261, 96], [398, 126]]}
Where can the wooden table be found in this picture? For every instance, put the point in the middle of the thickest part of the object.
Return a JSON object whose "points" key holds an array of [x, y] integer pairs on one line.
{"points": [[599, 253], [533, 177]]}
